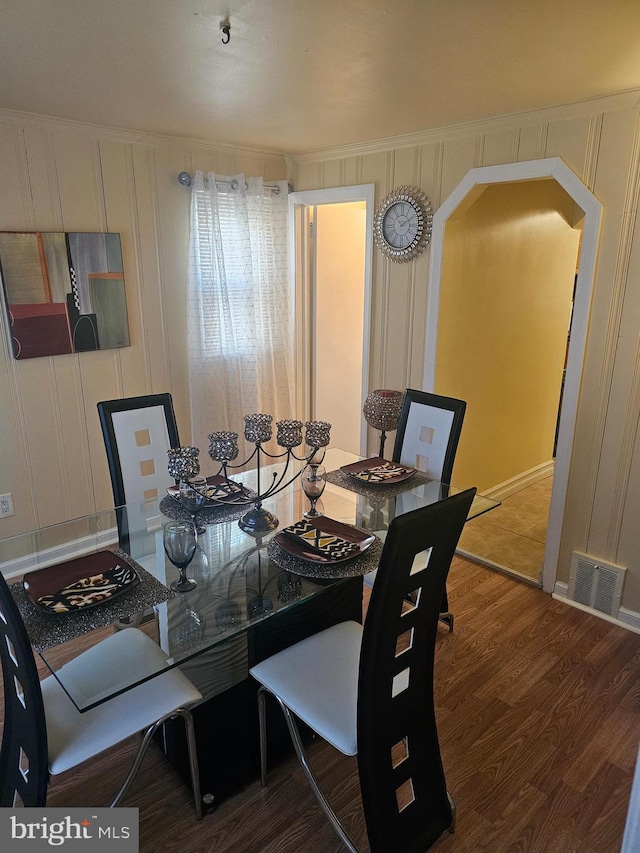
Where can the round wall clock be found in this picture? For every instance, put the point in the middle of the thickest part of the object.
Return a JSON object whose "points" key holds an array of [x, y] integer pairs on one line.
{"points": [[402, 226]]}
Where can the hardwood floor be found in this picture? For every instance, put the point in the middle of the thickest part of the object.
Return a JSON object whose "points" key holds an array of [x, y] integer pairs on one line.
{"points": [[538, 713]]}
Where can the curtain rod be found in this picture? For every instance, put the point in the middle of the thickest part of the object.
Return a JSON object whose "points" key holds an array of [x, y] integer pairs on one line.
{"points": [[186, 180]]}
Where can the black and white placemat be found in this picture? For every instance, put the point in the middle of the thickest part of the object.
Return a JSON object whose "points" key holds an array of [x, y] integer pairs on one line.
{"points": [[51, 629], [361, 565], [379, 491]]}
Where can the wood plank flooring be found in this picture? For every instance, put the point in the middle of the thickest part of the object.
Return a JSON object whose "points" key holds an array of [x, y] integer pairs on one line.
{"points": [[539, 720]]}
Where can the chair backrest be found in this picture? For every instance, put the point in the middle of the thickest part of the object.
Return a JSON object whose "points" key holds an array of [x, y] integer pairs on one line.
{"points": [[403, 786], [24, 769], [137, 432], [428, 433]]}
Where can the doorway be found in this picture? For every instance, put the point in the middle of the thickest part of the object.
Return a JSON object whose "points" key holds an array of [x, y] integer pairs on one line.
{"points": [[581, 206], [331, 256]]}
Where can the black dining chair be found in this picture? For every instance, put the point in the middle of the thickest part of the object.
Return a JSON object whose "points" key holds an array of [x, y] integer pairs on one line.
{"points": [[428, 433], [369, 691], [427, 439], [44, 733], [137, 433]]}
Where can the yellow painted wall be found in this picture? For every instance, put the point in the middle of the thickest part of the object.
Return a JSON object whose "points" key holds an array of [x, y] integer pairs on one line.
{"points": [[505, 307], [339, 317], [599, 141]]}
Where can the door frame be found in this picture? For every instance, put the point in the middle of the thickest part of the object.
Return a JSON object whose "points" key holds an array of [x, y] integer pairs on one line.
{"points": [[299, 261], [466, 193]]}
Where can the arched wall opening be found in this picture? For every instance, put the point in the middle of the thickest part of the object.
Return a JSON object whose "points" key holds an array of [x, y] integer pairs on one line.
{"points": [[564, 197]]}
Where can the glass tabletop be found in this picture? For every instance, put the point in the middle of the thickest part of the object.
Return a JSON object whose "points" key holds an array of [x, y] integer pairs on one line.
{"points": [[238, 584]]}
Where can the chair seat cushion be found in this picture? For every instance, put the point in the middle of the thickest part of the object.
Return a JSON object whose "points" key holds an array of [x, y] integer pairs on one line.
{"points": [[73, 737], [317, 679]]}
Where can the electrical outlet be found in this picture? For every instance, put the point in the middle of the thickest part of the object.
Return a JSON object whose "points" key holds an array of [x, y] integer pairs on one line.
{"points": [[6, 505]]}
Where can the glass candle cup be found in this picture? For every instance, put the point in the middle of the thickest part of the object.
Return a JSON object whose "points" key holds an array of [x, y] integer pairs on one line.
{"points": [[223, 446], [317, 433], [289, 433], [183, 462], [257, 428]]}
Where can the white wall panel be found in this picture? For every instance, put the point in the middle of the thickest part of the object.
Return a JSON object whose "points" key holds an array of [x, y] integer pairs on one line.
{"points": [[76, 178], [460, 155], [499, 147], [598, 142], [568, 140], [531, 142], [54, 177]]}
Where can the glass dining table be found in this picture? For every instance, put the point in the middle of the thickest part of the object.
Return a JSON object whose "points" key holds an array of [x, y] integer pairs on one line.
{"points": [[246, 605]]}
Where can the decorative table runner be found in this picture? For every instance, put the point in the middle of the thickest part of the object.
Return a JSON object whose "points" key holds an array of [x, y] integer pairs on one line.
{"points": [[375, 491], [362, 565], [50, 629]]}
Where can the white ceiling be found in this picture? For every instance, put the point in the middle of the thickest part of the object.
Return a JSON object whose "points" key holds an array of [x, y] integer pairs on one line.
{"points": [[302, 75]]}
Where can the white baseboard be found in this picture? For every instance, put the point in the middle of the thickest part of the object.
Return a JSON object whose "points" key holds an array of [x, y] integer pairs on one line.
{"points": [[628, 619], [503, 570], [519, 482]]}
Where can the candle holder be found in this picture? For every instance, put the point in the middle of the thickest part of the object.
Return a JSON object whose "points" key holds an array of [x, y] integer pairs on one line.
{"points": [[223, 448], [382, 411], [183, 463]]}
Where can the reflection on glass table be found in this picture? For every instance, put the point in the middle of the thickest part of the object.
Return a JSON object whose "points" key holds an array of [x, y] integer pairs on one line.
{"points": [[237, 585]]}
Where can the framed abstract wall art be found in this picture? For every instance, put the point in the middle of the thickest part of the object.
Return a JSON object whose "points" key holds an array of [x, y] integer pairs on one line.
{"points": [[64, 292]]}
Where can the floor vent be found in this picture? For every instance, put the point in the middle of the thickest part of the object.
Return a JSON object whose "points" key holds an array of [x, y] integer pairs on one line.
{"points": [[596, 584]]}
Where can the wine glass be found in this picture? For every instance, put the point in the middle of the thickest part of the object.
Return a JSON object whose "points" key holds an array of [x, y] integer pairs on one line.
{"points": [[313, 483], [180, 540], [192, 497]]}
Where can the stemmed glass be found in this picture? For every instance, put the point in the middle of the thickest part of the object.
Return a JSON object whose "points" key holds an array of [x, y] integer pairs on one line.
{"points": [[192, 497], [180, 540], [313, 483]]}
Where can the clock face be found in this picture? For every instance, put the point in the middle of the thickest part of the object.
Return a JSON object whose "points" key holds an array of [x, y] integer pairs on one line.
{"points": [[402, 225]]}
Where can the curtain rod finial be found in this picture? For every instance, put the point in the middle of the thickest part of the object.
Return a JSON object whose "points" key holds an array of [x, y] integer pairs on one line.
{"points": [[185, 179]]}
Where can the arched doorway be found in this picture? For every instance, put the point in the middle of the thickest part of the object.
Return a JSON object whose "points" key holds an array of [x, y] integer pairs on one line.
{"points": [[467, 192]]}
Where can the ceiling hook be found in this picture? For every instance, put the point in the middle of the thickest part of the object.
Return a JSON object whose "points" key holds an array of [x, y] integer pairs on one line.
{"points": [[225, 26]]}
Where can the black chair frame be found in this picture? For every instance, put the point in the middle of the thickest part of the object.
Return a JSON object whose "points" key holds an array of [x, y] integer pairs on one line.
{"points": [[24, 764], [458, 407], [398, 744], [106, 410]]}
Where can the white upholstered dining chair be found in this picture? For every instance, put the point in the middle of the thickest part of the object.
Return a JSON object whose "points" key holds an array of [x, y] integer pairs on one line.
{"points": [[427, 439], [369, 691], [44, 733]]}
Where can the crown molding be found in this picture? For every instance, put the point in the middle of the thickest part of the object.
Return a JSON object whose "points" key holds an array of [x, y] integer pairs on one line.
{"points": [[580, 109], [128, 137]]}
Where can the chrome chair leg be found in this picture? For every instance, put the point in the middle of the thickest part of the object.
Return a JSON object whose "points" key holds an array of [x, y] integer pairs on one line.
{"points": [[144, 745], [262, 719], [311, 779], [447, 618], [452, 828], [194, 770]]}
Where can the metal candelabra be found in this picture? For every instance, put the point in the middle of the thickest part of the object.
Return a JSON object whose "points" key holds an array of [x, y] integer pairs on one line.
{"points": [[223, 448]]}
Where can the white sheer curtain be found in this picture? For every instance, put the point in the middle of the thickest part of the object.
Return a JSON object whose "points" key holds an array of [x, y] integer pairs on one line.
{"points": [[240, 318]]}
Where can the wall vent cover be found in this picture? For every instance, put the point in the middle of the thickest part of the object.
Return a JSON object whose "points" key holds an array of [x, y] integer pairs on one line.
{"points": [[595, 583]]}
